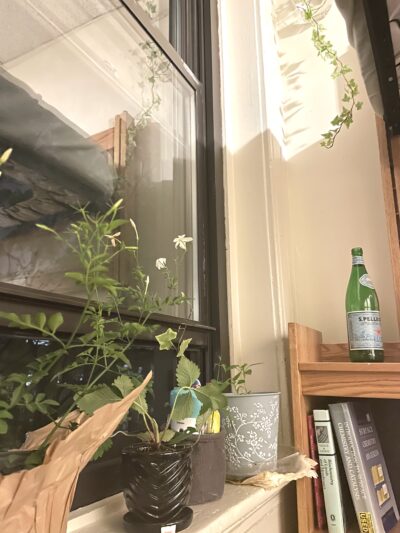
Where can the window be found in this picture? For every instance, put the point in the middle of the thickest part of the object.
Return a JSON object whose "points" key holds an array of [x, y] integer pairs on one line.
{"points": [[110, 99]]}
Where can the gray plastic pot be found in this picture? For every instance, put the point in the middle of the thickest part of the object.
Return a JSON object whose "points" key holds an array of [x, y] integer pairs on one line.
{"points": [[208, 469], [251, 423]]}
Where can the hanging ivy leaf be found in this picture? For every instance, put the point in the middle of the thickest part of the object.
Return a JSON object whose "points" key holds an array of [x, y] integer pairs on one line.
{"points": [[165, 339]]}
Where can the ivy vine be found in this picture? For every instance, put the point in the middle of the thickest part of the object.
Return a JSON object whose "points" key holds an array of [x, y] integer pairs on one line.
{"points": [[327, 52]]}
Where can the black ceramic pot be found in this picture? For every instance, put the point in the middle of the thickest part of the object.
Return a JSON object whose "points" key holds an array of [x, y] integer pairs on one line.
{"points": [[156, 487], [208, 468]]}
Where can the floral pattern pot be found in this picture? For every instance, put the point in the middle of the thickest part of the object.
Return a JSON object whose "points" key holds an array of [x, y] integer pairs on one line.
{"points": [[251, 425]]}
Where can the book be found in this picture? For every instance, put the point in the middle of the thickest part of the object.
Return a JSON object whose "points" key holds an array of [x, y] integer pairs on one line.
{"points": [[328, 463], [365, 467], [317, 483]]}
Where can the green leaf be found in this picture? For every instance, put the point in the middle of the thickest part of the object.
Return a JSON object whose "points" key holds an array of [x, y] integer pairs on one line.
{"points": [[113, 208], [181, 436], [5, 414], [124, 385], [144, 437], [78, 277], [186, 372], [3, 427], [184, 406], [35, 458], [96, 399], [21, 322], [183, 347], [113, 225], [46, 228], [16, 395], [211, 395], [165, 339], [168, 435], [102, 449], [140, 405], [39, 320], [55, 321]]}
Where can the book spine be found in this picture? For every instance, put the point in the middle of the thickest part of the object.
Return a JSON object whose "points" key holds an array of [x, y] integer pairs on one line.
{"points": [[329, 472], [372, 462], [317, 483], [347, 442]]}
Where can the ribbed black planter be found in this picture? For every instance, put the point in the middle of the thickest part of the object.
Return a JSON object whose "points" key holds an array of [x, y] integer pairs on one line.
{"points": [[156, 487], [208, 468]]}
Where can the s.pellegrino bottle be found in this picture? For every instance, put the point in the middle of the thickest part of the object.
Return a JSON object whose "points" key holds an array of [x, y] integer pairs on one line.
{"points": [[363, 317]]}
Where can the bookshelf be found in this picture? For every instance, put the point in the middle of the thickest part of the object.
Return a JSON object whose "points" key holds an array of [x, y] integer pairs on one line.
{"points": [[322, 372]]}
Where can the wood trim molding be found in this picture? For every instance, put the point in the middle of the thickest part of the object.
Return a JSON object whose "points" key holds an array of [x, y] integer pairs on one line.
{"points": [[391, 188]]}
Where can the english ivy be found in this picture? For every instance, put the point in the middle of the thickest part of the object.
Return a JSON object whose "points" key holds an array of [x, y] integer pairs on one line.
{"points": [[327, 52]]}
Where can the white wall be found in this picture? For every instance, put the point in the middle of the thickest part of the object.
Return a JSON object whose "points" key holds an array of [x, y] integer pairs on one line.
{"points": [[291, 223], [257, 316], [336, 203]]}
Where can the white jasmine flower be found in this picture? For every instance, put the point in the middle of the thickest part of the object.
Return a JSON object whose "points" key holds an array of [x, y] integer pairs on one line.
{"points": [[4, 157], [113, 238], [135, 228], [161, 263], [181, 241]]}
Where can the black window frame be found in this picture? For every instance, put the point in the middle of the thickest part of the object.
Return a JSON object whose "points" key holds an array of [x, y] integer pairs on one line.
{"points": [[195, 35]]}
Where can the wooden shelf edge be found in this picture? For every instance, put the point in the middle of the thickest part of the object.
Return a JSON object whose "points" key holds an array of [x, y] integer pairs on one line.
{"points": [[355, 380], [330, 366]]}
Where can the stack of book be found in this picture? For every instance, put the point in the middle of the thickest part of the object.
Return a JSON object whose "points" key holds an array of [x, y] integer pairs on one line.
{"points": [[360, 453]]}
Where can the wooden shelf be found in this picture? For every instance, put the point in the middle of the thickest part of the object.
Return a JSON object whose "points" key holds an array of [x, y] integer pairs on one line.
{"points": [[355, 529], [323, 370], [358, 380]]}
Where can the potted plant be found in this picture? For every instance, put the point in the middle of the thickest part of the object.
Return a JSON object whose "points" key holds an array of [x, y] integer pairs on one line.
{"points": [[157, 471], [251, 422], [83, 386], [208, 459]]}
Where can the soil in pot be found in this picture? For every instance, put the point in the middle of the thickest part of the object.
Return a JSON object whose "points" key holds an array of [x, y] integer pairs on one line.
{"points": [[208, 468], [157, 487]]}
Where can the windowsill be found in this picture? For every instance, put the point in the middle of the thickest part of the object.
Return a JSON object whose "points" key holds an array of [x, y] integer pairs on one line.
{"points": [[237, 505]]}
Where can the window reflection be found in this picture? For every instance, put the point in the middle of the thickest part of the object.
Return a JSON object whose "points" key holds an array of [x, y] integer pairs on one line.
{"points": [[159, 13], [94, 111]]}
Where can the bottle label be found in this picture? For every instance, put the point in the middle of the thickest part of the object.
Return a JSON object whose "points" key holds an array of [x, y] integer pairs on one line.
{"points": [[366, 281], [364, 328], [357, 260]]}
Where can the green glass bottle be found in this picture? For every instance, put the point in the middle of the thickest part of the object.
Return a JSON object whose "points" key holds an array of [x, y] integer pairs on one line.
{"points": [[362, 310]]}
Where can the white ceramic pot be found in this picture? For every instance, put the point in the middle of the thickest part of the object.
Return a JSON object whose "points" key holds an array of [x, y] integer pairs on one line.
{"points": [[251, 424]]}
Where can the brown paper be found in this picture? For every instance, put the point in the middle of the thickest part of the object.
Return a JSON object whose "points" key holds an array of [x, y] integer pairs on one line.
{"points": [[294, 467], [39, 500]]}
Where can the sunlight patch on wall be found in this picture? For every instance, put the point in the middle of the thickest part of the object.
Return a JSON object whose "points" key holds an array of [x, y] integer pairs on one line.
{"points": [[309, 98]]}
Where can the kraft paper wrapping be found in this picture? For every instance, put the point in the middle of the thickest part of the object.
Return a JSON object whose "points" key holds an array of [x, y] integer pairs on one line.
{"points": [[39, 500], [291, 468]]}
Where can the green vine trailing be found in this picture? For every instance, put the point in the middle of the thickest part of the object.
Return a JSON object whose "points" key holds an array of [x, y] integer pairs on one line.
{"points": [[326, 50]]}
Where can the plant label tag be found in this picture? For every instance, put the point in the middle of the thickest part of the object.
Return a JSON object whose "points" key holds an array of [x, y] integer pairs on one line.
{"points": [[169, 529]]}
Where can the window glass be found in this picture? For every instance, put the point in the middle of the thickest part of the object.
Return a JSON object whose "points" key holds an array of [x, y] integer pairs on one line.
{"points": [[159, 13], [94, 111]]}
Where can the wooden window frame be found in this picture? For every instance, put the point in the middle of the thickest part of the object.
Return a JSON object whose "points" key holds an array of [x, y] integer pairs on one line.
{"points": [[198, 63], [389, 153]]}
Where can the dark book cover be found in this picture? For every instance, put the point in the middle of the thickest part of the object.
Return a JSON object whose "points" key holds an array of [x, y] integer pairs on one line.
{"points": [[317, 483], [365, 467]]}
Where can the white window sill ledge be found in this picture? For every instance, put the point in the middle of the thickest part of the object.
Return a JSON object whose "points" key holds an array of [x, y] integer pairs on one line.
{"points": [[239, 510]]}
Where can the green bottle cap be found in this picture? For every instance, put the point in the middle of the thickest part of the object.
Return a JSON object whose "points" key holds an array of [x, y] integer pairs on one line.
{"points": [[356, 251]]}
